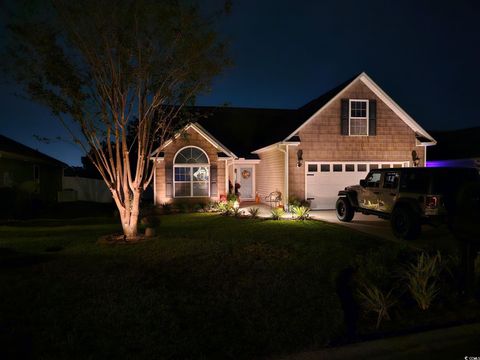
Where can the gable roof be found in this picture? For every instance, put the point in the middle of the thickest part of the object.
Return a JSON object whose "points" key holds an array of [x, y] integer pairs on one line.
{"points": [[423, 136], [245, 130], [249, 129], [10, 146]]}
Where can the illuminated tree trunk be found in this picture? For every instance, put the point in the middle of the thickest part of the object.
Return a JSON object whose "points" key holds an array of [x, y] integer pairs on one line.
{"points": [[118, 81], [129, 212]]}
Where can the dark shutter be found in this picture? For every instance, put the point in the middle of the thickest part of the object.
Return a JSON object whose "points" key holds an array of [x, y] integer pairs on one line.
{"points": [[169, 181], [213, 181], [344, 117], [372, 117]]}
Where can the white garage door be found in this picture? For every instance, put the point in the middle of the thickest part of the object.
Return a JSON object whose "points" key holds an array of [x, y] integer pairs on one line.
{"points": [[325, 179]]}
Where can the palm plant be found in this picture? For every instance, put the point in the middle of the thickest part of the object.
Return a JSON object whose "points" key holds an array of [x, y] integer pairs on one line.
{"points": [[225, 208], [253, 212], [300, 212], [236, 211], [375, 300], [422, 278], [277, 213]]}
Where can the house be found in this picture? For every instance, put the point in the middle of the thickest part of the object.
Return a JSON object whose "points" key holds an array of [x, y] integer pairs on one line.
{"points": [[84, 184], [309, 153], [456, 148], [29, 172]]}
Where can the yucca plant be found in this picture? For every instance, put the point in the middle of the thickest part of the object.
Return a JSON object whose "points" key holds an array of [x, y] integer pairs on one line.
{"points": [[375, 300], [300, 212], [236, 211], [225, 208], [277, 213], [422, 277], [253, 212]]}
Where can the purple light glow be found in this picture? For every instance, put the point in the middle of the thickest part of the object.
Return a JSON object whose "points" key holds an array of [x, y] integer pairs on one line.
{"points": [[452, 163]]}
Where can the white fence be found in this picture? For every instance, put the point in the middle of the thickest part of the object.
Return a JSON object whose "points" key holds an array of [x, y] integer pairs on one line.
{"points": [[84, 189]]}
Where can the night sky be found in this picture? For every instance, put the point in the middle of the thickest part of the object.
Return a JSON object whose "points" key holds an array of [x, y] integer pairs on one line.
{"points": [[424, 54]]}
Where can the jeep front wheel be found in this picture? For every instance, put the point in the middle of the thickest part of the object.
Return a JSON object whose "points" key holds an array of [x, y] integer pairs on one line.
{"points": [[405, 223], [344, 210]]}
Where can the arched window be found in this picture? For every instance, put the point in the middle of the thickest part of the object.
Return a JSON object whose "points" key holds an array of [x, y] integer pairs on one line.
{"points": [[191, 173]]}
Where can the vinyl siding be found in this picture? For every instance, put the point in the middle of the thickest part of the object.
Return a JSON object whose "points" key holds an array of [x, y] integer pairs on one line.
{"points": [[190, 138], [270, 173], [321, 139]]}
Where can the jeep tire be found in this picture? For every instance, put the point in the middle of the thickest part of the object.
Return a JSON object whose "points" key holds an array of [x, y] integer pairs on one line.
{"points": [[344, 210], [405, 223]]}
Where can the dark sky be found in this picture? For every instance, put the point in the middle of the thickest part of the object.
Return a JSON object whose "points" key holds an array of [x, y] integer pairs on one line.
{"points": [[424, 54]]}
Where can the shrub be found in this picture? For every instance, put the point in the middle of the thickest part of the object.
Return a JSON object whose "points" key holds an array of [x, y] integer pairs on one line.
{"points": [[212, 206], [300, 212], [379, 266], [236, 211], [167, 208], [225, 208], [198, 207], [422, 278], [277, 213], [253, 212], [375, 300], [294, 201], [183, 207], [232, 198]]}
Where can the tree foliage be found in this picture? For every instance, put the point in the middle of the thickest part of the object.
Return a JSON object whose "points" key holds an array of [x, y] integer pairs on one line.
{"points": [[100, 64]]}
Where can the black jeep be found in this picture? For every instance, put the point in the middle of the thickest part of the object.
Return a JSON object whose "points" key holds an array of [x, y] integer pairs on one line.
{"points": [[409, 197]]}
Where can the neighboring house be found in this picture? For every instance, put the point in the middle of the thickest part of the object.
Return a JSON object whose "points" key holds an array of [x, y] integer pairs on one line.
{"points": [[29, 171], [81, 185], [309, 153], [456, 148]]}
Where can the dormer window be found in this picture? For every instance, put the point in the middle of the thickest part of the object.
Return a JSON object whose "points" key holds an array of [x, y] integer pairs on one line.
{"points": [[358, 117]]}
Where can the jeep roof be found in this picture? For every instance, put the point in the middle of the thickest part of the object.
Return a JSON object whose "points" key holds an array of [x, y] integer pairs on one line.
{"points": [[433, 180]]}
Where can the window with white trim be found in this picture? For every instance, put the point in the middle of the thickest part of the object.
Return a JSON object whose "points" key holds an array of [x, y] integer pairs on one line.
{"points": [[191, 173], [358, 117]]}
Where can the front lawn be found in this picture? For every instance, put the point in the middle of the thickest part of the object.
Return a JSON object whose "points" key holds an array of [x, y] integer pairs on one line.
{"points": [[210, 286]]}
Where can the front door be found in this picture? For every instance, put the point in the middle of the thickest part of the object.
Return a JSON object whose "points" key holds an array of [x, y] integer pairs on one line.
{"points": [[244, 177]]}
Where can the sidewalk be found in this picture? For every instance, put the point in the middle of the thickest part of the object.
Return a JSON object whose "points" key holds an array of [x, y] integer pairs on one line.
{"points": [[451, 343]]}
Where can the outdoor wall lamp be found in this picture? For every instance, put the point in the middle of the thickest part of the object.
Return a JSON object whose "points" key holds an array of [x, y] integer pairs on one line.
{"points": [[415, 158], [299, 158]]}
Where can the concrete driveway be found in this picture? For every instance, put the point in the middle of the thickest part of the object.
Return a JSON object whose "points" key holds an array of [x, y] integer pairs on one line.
{"points": [[375, 226], [369, 224]]}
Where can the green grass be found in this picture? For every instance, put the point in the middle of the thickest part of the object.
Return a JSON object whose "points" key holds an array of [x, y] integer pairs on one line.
{"points": [[208, 287]]}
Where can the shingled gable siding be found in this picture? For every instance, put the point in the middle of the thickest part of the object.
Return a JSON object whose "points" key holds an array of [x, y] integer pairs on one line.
{"points": [[190, 138], [321, 139], [270, 173]]}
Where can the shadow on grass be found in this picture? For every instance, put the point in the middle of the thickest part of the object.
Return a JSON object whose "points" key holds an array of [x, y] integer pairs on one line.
{"points": [[10, 258], [242, 302]]}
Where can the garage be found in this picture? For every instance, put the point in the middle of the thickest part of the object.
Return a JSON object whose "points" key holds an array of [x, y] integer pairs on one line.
{"points": [[325, 179]]}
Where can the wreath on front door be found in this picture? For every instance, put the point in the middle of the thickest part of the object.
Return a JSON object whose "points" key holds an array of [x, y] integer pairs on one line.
{"points": [[245, 174]]}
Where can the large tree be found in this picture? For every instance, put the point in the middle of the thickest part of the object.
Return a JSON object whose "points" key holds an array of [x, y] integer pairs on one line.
{"points": [[98, 64]]}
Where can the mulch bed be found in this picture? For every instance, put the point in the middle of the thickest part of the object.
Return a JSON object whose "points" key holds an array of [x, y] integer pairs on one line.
{"points": [[120, 239]]}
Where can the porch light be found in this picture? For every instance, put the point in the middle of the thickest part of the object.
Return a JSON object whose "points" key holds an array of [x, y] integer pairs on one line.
{"points": [[299, 158], [415, 159]]}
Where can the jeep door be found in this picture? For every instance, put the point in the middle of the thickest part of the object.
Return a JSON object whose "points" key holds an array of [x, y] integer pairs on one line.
{"points": [[389, 190], [369, 195]]}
